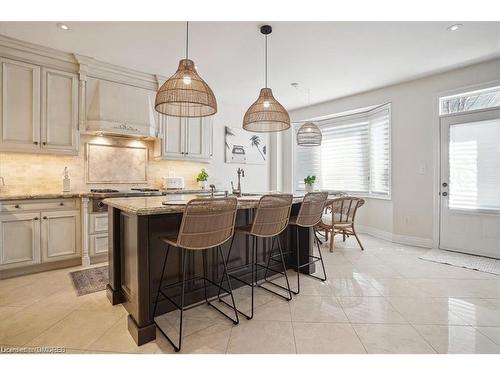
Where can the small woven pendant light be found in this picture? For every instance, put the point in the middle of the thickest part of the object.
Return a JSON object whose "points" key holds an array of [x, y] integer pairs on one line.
{"points": [[186, 94], [309, 135], [266, 114]]}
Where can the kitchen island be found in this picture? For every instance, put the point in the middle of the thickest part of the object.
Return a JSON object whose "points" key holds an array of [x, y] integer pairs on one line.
{"points": [[136, 254]]}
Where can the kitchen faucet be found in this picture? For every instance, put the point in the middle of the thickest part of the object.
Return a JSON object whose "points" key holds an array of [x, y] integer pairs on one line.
{"points": [[237, 192]]}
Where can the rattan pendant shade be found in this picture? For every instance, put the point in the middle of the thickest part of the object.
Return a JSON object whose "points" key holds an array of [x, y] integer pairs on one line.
{"points": [[266, 114], [186, 94], [309, 135]]}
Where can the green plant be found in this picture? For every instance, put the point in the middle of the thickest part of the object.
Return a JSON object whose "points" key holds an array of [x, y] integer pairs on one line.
{"points": [[309, 180], [202, 176]]}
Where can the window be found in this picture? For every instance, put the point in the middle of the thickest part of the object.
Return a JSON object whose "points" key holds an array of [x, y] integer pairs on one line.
{"points": [[354, 156], [470, 101], [475, 165]]}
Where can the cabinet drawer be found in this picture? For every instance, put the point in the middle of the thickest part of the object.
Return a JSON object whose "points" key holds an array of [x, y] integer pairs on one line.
{"points": [[37, 205], [98, 223], [98, 244]]}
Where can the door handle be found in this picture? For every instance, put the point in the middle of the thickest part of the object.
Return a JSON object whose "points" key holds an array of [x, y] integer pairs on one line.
{"points": [[45, 218]]}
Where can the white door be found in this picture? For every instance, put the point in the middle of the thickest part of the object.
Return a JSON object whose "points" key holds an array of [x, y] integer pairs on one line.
{"points": [[470, 183], [19, 106], [60, 235], [59, 111], [19, 240]]}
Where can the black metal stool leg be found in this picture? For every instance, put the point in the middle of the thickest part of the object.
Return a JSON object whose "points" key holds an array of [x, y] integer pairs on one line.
{"points": [[321, 258], [229, 285], [298, 260], [161, 280]]}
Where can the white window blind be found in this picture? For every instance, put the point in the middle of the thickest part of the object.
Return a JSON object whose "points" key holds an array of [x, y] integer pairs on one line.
{"points": [[474, 156], [354, 156]]}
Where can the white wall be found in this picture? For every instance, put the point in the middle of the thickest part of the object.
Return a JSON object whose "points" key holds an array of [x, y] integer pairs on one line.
{"points": [[414, 133]]}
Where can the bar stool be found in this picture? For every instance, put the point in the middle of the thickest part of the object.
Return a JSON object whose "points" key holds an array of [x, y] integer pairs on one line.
{"points": [[310, 214], [206, 224], [271, 218]]}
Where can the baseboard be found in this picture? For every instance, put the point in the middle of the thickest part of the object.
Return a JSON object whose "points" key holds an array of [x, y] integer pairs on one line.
{"points": [[398, 238], [375, 232]]}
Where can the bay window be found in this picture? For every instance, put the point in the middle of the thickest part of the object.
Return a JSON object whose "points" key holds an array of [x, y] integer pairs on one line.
{"points": [[354, 156]]}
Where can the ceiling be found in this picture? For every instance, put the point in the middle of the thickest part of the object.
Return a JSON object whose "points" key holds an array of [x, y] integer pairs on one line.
{"points": [[327, 59]]}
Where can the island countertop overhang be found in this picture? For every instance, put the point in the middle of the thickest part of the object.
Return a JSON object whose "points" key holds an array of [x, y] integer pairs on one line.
{"points": [[155, 205]]}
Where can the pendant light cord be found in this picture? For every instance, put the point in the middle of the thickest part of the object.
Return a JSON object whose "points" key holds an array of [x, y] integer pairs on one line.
{"points": [[187, 39], [266, 61]]}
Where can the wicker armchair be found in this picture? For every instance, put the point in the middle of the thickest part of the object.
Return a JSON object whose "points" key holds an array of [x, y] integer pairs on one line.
{"points": [[338, 218]]}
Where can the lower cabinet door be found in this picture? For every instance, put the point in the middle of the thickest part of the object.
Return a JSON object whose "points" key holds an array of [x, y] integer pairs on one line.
{"points": [[60, 233], [19, 240], [98, 244]]}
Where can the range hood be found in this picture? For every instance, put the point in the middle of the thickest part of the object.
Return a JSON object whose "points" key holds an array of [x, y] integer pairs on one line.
{"points": [[120, 110]]}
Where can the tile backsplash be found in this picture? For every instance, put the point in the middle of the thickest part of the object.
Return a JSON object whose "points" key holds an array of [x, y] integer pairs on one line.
{"points": [[43, 173]]}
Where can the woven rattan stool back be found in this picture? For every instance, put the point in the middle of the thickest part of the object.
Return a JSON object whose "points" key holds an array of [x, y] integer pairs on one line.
{"points": [[207, 223], [312, 208], [272, 215]]}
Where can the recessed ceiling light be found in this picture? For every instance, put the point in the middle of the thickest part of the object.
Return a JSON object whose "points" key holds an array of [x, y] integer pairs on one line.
{"points": [[455, 27], [63, 26]]}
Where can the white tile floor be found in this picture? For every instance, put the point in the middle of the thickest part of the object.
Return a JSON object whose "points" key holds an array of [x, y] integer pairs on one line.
{"points": [[382, 300]]}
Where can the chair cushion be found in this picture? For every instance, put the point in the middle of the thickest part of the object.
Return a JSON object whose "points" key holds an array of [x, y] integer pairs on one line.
{"points": [[327, 220]]}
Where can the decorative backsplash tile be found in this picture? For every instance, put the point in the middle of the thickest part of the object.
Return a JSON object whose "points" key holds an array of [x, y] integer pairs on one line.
{"points": [[39, 173]]}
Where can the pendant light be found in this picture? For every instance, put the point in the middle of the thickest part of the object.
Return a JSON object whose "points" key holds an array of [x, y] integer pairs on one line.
{"points": [[266, 114], [186, 94], [309, 134]]}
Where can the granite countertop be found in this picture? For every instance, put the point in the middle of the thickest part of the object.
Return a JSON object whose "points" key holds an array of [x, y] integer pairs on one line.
{"points": [[36, 194], [155, 206], [20, 195]]}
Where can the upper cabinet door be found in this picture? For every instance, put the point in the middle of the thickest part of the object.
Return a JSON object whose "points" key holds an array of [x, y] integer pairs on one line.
{"points": [[19, 106], [174, 138], [59, 125], [195, 138]]}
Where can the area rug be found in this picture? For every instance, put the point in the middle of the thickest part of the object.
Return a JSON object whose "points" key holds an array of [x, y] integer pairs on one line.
{"points": [[473, 262], [90, 280]]}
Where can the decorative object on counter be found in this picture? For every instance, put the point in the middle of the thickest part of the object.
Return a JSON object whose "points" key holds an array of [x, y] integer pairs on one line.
{"points": [[310, 182], [173, 183], [186, 94], [90, 280], [237, 192], [243, 147], [309, 135], [266, 114], [66, 180], [202, 179]]}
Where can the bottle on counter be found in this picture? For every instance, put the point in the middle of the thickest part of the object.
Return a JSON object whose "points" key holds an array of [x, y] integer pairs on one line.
{"points": [[66, 180]]}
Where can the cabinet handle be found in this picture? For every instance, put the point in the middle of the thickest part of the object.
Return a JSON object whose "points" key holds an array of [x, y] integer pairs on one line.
{"points": [[61, 204], [35, 218], [44, 143], [35, 143], [17, 206], [45, 218]]}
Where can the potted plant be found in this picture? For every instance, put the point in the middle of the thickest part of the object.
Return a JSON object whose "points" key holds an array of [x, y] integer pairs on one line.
{"points": [[202, 179], [310, 182]]}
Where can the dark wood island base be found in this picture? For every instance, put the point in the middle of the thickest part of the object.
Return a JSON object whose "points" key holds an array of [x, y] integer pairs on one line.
{"points": [[136, 256]]}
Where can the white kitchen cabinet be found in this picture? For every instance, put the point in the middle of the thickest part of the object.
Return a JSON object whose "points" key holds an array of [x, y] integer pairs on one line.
{"points": [[19, 106], [60, 235], [184, 139], [38, 109], [37, 232], [19, 240], [59, 116]]}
